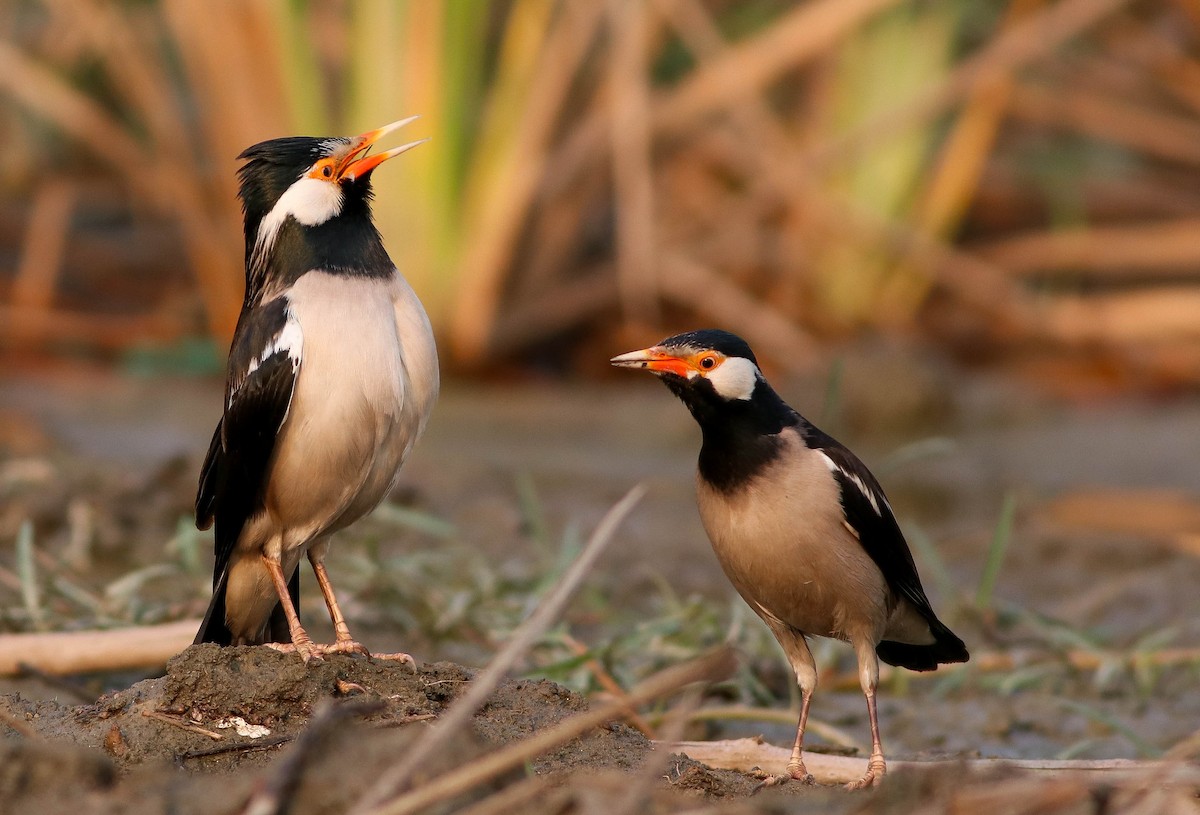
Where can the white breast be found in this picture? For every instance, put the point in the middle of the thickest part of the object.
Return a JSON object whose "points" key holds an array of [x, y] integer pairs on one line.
{"points": [[367, 383]]}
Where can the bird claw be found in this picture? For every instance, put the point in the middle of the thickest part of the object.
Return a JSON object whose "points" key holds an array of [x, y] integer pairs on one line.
{"points": [[876, 770], [405, 659], [794, 772], [308, 651], [346, 646]]}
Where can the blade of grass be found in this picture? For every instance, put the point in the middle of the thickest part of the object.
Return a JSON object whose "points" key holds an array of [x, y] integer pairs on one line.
{"points": [[416, 520], [931, 559], [831, 408], [995, 557], [31, 593], [1144, 748]]}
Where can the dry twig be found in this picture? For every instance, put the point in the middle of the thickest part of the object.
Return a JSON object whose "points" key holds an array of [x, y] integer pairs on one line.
{"points": [[745, 754], [182, 724], [481, 687], [707, 668], [65, 653], [277, 789]]}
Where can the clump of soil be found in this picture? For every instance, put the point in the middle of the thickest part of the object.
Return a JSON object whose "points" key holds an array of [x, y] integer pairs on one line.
{"points": [[218, 725]]}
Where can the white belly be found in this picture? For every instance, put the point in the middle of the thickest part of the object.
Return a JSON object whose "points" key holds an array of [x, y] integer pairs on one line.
{"points": [[367, 382]]}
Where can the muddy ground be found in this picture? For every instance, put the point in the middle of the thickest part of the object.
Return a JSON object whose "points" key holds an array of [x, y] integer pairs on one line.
{"points": [[518, 472]]}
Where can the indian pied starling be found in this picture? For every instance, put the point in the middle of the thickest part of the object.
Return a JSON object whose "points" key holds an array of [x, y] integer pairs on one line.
{"points": [[332, 376], [800, 526]]}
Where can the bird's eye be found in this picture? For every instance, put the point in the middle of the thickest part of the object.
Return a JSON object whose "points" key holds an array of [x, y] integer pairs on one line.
{"points": [[327, 171], [707, 363]]}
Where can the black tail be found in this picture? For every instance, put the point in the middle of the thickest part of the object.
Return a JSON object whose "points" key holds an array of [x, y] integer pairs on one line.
{"points": [[214, 629], [947, 647]]}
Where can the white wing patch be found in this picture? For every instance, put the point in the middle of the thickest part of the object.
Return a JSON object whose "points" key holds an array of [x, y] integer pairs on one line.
{"points": [[290, 341], [867, 492], [310, 201], [735, 378]]}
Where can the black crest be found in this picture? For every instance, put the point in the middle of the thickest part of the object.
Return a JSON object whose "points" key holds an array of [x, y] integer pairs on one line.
{"points": [[731, 345]]}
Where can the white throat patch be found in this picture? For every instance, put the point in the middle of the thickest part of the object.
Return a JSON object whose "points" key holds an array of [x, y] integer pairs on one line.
{"points": [[310, 201], [734, 378]]}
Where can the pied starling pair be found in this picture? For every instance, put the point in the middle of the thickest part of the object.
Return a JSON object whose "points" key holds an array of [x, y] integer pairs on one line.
{"points": [[332, 376], [800, 526]]}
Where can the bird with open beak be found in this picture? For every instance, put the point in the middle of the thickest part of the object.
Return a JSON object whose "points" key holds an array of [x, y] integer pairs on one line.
{"points": [[800, 526], [332, 375]]}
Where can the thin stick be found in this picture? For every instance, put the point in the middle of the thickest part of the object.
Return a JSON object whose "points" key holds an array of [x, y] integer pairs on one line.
{"points": [[607, 682], [64, 653], [642, 784], [744, 754], [45, 243], [631, 31], [277, 789], [513, 798], [786, 716], [461, 712], [403, 720], [182, 724], [16, 723], [706, 668], [235, 747]]}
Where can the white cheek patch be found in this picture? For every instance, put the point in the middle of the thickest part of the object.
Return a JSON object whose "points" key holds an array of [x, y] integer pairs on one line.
{"points": [[310, 201], [734, 378]]}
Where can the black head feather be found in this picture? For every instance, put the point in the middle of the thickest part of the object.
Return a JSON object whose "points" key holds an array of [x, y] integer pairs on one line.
{"points": [[345, 244], [741, 436], [271, 167], [731, 345]]}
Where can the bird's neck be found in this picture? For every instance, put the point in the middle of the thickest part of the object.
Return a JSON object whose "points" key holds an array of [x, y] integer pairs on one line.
{"points": [[740, 436], [343, 246]]}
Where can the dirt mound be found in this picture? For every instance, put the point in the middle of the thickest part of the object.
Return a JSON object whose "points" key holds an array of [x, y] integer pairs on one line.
{"points": [[221, 721]]}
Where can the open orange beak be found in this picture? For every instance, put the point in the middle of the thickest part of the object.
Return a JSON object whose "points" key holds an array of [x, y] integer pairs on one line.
{"points": [[655, 360], [356, 164]]}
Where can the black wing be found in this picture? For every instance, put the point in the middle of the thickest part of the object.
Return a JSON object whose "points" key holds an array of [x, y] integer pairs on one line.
{"points": [[867, 510], [870, 515], [264, 361]]}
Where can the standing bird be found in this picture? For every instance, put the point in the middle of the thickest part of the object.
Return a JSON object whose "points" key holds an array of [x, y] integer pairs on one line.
{"points": [[332, 375], [800, 526]]}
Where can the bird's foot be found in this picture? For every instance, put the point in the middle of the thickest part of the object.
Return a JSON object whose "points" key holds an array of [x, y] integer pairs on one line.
{"points": [[796, 771], [876, 770], [307, 649], [310, 651]]}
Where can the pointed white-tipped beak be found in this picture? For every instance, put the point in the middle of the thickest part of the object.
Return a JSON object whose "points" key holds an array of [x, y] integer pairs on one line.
{"points": [[634, 359]]}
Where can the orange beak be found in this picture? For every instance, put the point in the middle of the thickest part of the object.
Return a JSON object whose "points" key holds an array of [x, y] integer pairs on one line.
{"points": [[655, 360], [356, 164]]}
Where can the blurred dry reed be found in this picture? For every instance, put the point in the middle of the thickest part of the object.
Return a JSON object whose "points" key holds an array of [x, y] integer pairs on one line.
{"points": [[1013, 178]]}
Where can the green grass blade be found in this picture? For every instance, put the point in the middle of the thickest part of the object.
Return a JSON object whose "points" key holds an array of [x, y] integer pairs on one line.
{"points": [[31, 593], [995, 558]]}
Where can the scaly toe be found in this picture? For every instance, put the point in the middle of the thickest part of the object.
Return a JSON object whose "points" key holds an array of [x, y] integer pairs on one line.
{"points": [[308, 652], [768, 781], [398, 657], [876, 770], [794, 772], [346, 647]]}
